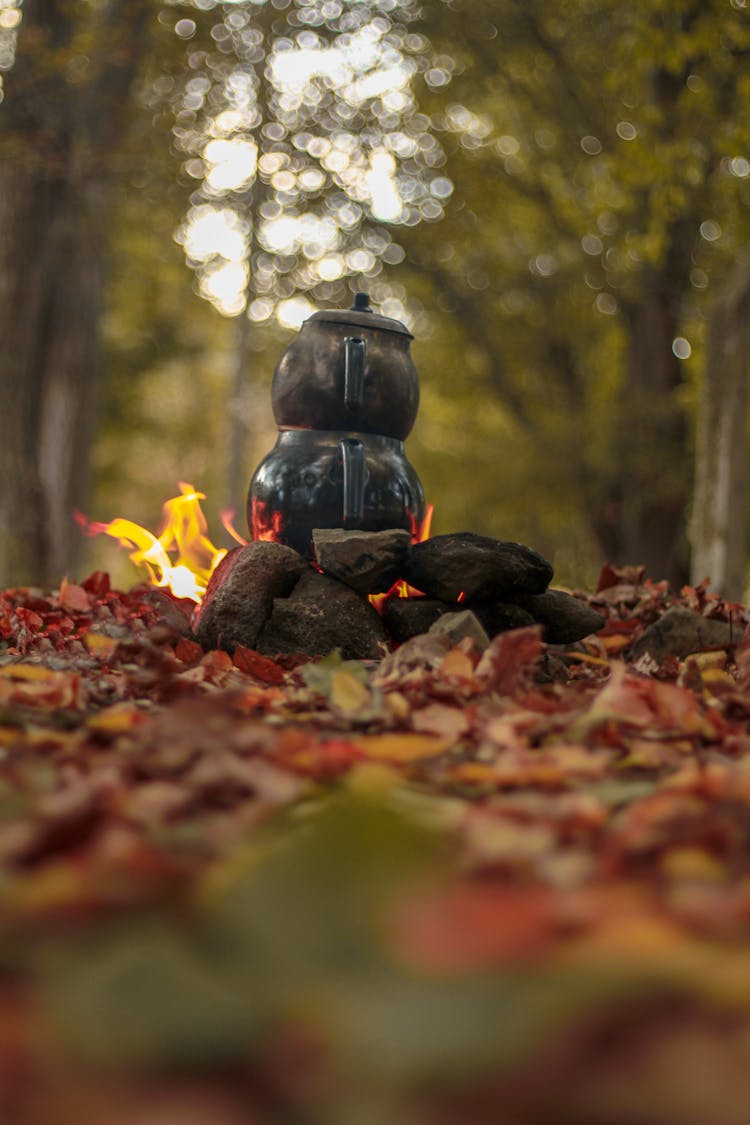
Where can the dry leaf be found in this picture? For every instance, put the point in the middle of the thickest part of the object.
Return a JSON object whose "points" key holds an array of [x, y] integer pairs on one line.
{"points": [[402, 747], [348, 694]]}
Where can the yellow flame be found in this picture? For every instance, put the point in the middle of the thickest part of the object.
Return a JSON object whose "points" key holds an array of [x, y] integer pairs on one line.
{"points": [[184, 532]]}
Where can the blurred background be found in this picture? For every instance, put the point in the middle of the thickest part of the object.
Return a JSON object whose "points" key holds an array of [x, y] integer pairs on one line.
{"points": [[554, 198]]}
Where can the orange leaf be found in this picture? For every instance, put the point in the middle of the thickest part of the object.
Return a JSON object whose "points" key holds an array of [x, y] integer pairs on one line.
{"points": [[402, 747]]}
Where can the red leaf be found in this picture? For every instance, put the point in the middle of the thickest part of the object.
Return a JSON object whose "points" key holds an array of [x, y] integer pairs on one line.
{"points": [[263, 669], [619, 575], [97, 583], [189, 652], [74, 597], [510, 660]]}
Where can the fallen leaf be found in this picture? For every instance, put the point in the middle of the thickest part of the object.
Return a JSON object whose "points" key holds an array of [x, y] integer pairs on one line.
{"points": [[117, 719], [348, 694], [74, 597], [437, 718], [261, 667], [457, 665], [510, 660], [402, 747]]}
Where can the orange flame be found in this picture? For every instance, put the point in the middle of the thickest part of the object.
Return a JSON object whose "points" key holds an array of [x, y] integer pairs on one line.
{"points": [[421, 531], [183, 532], [401, 589]]}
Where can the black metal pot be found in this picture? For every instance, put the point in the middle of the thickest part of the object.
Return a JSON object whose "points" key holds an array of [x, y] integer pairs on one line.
{"points": [[319, 478], [348, 369]]}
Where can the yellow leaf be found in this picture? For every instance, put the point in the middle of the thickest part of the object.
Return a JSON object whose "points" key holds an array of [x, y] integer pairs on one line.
{"points": [[99, 644], [26, 672], [402, 747], [348, 694], [114, 720], [397, 704], [693, 863], [478, 772], [615, 642]]}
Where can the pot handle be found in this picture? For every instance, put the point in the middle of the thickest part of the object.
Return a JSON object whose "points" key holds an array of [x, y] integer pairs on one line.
{"points": [[353, 456], [354, 371]]}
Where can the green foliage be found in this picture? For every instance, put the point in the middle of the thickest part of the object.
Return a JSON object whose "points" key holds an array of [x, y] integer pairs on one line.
{"points": [[598, 153]]}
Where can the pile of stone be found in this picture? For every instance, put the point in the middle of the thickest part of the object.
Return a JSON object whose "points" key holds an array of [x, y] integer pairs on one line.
{"points": [[267, 597]]}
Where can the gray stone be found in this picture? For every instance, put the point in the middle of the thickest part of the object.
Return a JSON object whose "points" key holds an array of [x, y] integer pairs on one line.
{"points": [[482, 568], [368, 561], [565, 618], [679, 632], [321, 615], [499, 617], [457, 626], [241, 591], [409, 617]]}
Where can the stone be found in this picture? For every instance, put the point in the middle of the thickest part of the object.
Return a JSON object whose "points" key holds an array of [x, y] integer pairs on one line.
{"points": [[368, 561], [499, 617], [457, 626], [409, 617], [241, 591], [565, 618], [320, 615], [479, 567], [679, 632]]}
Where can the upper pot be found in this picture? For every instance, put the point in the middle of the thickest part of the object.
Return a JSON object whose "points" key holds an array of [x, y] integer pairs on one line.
{"points": [[348, 369]]}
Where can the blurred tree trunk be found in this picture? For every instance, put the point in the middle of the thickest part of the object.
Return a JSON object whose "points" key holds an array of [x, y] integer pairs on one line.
{"points": [[719, 506], [642, 509], [60, 125]]}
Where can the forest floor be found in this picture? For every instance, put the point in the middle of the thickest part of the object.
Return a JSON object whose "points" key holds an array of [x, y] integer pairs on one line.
{"points": [[502, 890]]}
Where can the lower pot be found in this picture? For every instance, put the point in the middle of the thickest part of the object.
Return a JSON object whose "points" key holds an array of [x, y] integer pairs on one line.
{"points": [[332, 478]]}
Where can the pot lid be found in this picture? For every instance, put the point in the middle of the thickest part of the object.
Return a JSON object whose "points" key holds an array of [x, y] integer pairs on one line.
{"points": [[361, 315]]}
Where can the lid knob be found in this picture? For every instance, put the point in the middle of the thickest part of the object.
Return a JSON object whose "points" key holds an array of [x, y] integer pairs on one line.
{"points": [[361, 303]]}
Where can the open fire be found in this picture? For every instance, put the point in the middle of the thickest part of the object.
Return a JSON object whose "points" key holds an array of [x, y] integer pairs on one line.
{"points": [[181, 557]]}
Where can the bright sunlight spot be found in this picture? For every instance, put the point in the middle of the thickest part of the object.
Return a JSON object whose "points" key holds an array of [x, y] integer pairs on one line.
{"points": [[293, 312], [381, 184], [232, 164], [225, 286], [210, 233]]}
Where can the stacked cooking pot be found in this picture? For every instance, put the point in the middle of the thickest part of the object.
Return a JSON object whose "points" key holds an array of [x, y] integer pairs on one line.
{"points": [[345, 395]]}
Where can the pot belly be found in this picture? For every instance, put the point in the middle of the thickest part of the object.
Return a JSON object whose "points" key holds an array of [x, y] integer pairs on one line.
{"points": [[332, 479]]}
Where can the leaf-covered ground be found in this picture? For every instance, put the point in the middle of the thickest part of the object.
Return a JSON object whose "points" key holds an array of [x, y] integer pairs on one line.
{"points": [[443, 889]]}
